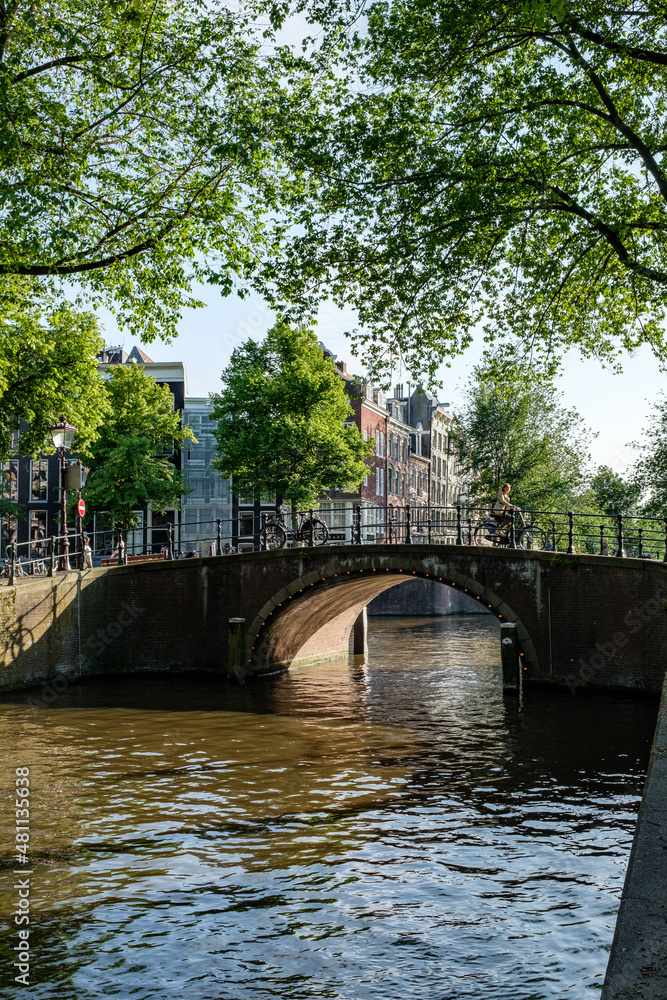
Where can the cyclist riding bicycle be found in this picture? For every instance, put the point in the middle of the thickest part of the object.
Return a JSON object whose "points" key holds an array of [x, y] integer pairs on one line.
{"points": [[502, 506]]}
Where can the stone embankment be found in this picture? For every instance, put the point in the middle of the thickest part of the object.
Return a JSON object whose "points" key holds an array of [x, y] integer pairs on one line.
{"points": [[637, 967]]}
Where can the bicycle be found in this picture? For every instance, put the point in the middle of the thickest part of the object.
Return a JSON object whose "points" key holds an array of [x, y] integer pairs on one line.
{"points": [[275, 532], [489, 532]]}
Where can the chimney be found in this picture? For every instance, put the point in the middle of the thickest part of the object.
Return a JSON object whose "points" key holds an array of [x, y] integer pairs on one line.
{"points": [[342, 367], [398, 392]]}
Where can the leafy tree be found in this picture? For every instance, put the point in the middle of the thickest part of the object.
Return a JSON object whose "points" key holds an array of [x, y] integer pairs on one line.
{"points": [[496, 161], [129, 467], [612, 493], [143, 144], [281, 420], [48, 367], [650, 470], [511, 432]]}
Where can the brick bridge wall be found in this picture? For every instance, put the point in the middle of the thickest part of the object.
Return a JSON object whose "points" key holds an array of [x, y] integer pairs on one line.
{"points": [[584, 620]]}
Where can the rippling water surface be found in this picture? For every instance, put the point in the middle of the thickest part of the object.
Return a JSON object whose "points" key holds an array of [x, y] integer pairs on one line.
{"points": [[392, 829]]}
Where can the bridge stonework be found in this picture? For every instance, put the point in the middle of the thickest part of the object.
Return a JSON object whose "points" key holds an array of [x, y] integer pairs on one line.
{"points": [[582, 620]]}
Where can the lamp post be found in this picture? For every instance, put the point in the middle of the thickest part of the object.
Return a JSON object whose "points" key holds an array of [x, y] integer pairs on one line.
{"points": [[63, 435]]}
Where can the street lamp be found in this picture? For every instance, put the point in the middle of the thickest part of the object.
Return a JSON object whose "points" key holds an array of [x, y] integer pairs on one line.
{"points": [[63, 435]]}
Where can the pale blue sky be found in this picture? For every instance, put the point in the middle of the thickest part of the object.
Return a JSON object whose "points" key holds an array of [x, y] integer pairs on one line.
{"points": [[614, 406]]}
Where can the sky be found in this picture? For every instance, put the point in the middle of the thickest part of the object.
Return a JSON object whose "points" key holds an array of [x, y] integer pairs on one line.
{"points": [[615, 407]]}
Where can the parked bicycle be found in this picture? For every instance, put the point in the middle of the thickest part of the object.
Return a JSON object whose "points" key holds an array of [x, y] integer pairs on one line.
{"points": [[276, 531], [5, 569], [526, 536]]}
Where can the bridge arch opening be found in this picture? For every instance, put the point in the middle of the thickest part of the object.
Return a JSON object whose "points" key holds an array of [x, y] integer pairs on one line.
{"points": [[311, 619]]}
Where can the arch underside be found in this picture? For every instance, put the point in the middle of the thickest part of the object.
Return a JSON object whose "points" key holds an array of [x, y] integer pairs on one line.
{"points": [[311, 618]]}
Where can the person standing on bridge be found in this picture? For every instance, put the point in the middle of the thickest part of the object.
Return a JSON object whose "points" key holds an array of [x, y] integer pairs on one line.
{"points": [[503, 506]]}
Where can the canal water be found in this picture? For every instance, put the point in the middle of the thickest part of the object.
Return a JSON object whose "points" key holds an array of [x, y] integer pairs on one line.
{"points": [[391, 828]]}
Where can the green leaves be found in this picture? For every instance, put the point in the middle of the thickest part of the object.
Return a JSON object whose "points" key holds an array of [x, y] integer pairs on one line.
{"points": [[517, 432], [498, 167], [143, 146], [650, 471], [281, 420], [48, 367]]}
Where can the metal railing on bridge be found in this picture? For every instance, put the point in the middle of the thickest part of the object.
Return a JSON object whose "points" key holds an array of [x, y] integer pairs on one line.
{"points": [[338, 523]]}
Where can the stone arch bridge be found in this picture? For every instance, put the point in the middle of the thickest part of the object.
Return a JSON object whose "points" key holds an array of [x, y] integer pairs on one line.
{"points": [[581, 619]]}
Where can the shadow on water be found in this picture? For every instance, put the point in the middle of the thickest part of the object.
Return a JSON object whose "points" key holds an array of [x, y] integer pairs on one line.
{"points": [[389, 827]]}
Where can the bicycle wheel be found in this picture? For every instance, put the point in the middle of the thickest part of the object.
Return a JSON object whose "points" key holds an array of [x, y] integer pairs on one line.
{"points": [[483, 536], [320, 532], [273, 537], [531, 537]]}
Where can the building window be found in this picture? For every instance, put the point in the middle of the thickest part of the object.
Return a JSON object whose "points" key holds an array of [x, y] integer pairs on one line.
{"points": [[390, 480], [37, 531], [10, 480], [380, 481], [379, 444], [8, 534], [390, 445], [339, 515], [246, 524], [365, 434]]}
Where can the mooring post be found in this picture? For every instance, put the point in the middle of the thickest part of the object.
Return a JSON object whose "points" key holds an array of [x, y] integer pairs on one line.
{"points": [[570, 533], [510, 652], [360, 634], [12, 563], [459, 537], [218, 537], [236, 666], [408, 536], [640, 542]]}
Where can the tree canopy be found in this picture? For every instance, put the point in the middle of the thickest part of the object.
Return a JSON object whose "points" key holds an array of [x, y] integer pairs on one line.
{"points": [[129, 460], [650, 470], [508, 431], [498, 163], [281, 421], [614, 493], [142, 146], [48, 367]]}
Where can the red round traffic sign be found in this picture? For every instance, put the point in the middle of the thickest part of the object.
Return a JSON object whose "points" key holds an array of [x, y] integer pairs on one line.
{"points": [[81, 508]]}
